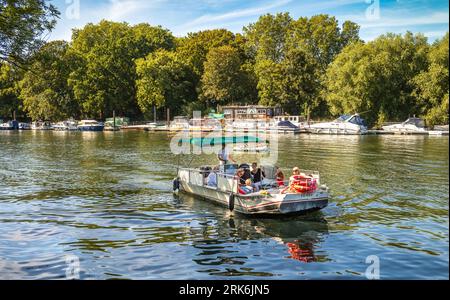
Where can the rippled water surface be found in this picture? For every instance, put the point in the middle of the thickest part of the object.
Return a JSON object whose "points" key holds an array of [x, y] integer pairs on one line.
{"points": [[105, 199]]}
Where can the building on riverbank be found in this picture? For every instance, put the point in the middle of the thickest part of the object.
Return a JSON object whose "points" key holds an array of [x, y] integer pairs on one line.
{"points": [[235, 112]]}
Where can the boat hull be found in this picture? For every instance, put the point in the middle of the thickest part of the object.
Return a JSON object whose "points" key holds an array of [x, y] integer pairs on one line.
{"points": [[90, 128], [276, 204]]}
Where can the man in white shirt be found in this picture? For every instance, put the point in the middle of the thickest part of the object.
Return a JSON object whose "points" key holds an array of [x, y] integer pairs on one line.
{"points": [[224, 157]]}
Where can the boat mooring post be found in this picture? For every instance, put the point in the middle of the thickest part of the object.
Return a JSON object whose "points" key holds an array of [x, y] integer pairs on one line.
{"points": [[114, 120]]}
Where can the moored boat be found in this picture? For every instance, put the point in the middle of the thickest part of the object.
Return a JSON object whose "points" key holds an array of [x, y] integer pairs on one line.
{"points": [[68, 125], [24, 126], [345, 124], [410, 126], [11, 125], [90, 125], [283, 127], [272, 199], [41, 125]]}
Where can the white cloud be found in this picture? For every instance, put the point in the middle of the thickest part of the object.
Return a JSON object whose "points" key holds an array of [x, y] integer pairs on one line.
{"points": [[208, 19]]}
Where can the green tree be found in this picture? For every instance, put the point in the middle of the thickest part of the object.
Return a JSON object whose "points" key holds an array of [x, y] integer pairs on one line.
{"points": [[194, 48], [224, 80], [164, 80], [9, 101], [266, 39], [432, 86], [105, 77], [44, 89], [22, 25], [277, 43], [376, 78], [291, 84], [322, 37]]}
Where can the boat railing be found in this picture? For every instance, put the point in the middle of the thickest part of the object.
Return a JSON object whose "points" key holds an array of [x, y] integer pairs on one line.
{"points": [[198, 177]]}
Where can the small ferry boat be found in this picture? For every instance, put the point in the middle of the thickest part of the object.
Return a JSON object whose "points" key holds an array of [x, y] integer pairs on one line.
{"points": [[69, 125], [305, 195], [90, 125], [345, 124], [410, 126], [41, 125]]}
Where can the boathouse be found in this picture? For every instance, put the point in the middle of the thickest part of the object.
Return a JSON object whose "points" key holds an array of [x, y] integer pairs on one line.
{"points": [[250, 112]]}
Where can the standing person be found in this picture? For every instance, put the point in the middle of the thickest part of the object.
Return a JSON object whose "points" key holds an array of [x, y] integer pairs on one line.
{"points": [[224, 157], [258, 175]]}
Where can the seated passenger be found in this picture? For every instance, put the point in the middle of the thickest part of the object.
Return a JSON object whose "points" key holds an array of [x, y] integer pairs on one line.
{"points": [[240, 177], [212, 177], [279, 177], [248, 187]]}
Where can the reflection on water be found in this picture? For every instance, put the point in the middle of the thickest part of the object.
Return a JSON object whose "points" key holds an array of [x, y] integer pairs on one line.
{"points": [[106, 198]]}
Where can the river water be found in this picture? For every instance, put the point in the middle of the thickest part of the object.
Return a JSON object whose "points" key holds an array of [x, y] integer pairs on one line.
{"points": [[99, 206]]}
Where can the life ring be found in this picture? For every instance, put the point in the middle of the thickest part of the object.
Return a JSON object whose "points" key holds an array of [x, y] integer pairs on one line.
{"points": [[301, 184], [231, 202]]}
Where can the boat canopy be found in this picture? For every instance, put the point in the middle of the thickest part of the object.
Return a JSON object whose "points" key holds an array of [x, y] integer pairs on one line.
{"points": [[286, 124], [415, 121], [212, 141]]}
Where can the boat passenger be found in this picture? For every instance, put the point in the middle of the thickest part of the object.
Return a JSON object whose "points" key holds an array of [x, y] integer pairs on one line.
{"points": [[295, 175], [257, 175], [224, 156], [240, 177], [248, 187], [212, 177], [279, 176]]}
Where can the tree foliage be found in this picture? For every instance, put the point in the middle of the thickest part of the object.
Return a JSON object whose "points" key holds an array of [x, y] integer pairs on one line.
{"points": [[164, 80], [23, 24], [105, 76], [9, 101], [291, 57], [376, 78], [431, 86], [44, 89], [224, 79]]}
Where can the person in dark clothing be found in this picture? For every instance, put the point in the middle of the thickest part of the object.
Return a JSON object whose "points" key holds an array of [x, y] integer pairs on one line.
{"points": [[258, 175]]}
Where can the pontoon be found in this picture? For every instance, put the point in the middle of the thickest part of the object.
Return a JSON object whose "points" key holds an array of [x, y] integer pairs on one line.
{"points": [[272, 199]]}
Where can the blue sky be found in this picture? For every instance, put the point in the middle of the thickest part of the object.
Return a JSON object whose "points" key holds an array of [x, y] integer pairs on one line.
{"points": [[182, 16]]}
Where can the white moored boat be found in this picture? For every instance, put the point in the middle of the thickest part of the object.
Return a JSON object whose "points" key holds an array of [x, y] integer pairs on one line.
{"points": [[410, 126], [271, 199], [68, 125], [345, 124]]}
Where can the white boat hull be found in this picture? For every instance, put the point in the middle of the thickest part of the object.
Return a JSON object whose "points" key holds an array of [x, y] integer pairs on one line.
{"points": [[270, 202]]}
